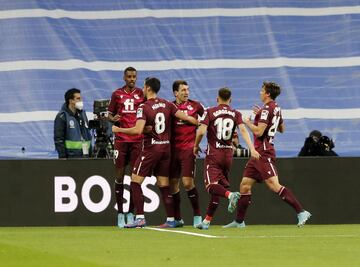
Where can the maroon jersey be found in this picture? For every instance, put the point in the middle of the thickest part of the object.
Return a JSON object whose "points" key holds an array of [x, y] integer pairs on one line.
{"points": [[125, 104], [222, 122], [269, 114], [183, 133], [158, 114]]}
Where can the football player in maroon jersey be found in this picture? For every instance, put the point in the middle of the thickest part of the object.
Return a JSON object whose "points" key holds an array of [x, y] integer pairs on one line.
{"points": [[154, 158], [220, 123], [182, 165], [122, 111], [268, 120]]}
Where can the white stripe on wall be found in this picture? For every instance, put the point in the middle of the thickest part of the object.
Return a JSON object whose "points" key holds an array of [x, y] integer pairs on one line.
{"points": [[179, 13], [278, 62], [288, 114]]}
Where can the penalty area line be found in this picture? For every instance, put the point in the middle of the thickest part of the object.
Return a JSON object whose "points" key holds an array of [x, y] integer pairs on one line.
{"points": [[184, 232]]}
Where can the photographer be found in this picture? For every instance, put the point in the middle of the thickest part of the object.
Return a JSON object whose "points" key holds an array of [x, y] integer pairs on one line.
{"points": [[317, 144], [71, 133], [326, 146]]}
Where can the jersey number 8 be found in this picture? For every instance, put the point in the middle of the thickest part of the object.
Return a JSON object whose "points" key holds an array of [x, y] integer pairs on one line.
{"points": [[159, 123]]}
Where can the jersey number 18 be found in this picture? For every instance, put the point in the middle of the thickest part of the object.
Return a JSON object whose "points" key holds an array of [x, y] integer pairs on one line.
{"points": [[224, 128]]}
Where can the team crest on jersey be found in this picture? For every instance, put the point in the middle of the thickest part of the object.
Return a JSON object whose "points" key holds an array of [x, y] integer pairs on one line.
{"points": [[189, 107], [264, 115], [71, 124], [139, 113], [136, 97]]}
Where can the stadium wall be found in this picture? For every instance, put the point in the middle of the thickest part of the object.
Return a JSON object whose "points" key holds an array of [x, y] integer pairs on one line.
{"points": [[80, 192]]}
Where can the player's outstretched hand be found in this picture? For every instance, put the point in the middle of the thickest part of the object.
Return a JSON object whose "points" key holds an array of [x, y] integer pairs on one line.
{"points": [[256, 109], [254, 154], [115, 129], [116, 117], [147, 129], [197, 150]]}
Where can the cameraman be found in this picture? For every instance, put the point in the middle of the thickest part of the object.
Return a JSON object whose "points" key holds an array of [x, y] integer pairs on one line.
{"points": [[326, 146], [317, 145], [71, 133]]}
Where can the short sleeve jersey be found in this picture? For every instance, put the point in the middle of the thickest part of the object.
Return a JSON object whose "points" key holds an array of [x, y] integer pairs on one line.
{"points": [[222, 122], [183, 133], [125, 104], [270, 114], [157, 113]]}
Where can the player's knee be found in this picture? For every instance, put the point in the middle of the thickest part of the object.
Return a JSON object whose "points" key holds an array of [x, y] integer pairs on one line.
{"points": [[174, 188], [273, 185], [189, 184], [174, 185], [137, 179], [245, 188], [162, 181]]}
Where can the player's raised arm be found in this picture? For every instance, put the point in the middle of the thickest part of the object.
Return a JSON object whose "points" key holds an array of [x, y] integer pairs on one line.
{"points": [[199, 135], [245, 135], [137, 129], [182, 116]]}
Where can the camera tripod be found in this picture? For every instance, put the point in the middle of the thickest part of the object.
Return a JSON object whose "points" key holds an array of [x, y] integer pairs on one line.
{"points": [[103, 147]]}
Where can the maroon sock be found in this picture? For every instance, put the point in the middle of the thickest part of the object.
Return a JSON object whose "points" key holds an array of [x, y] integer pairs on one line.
{"points": [[213, 204], [218, 190], [290, 198], [168, 200], [194, 200], [131, 204], [137, 197], [119, 191], [176, 200], [243, 204]]}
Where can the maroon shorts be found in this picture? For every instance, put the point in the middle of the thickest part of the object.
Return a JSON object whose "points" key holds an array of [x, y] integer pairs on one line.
{"points": [[216, 169], [152, 163], [126, 153], [261, 169], [182, 163]]}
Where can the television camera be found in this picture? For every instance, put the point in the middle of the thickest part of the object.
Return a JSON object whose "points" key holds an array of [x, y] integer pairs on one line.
{"points": [[103, 144], [241, 151]]}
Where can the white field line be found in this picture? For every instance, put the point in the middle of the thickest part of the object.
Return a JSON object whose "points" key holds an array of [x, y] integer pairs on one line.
{"points": [[183, 232], [253, 236], [291, 236], [178, 13]]}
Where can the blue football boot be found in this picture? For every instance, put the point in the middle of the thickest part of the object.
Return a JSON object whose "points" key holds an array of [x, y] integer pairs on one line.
{"points": [[303, 217], [121, 220], [235, 224], [138, 223], [233, 200]]}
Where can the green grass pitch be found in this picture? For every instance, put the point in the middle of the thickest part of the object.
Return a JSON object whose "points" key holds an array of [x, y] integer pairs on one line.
{"points": [[256, 245]]}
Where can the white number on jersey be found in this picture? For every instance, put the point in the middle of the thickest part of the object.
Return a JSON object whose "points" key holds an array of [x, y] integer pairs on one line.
{"points": [[274, 125], [224, 128], [129, 104], [159, 123]]}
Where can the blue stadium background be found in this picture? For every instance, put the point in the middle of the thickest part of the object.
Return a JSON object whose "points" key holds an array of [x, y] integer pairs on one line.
{"points": [[311, 48]]}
